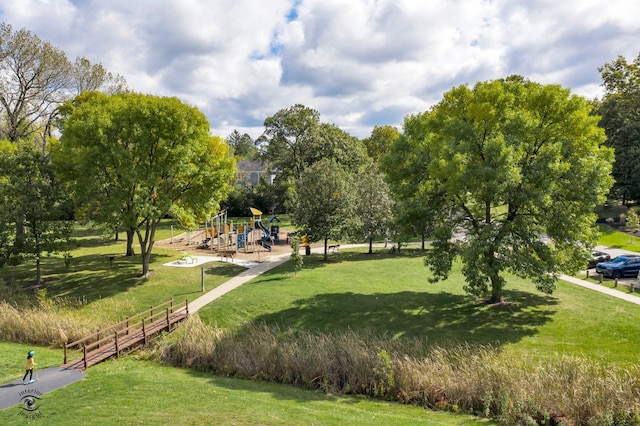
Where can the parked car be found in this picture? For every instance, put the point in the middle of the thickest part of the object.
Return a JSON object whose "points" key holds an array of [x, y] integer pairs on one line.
{"points": [[597, 257], [621, 266]]}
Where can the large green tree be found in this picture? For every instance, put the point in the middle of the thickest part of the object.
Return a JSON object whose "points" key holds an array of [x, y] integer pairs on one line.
{"points": [[517, 168], [620, 112], [325, 203], [380, 141], [289, 138], [29, 191], [405, 166], [373, 204], [294, 139], [131, 159]]}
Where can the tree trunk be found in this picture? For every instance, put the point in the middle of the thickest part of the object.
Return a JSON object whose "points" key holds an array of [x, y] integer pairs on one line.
{"points": [[496, 288], [146, 246], [370, 245], [130, 237], [326, 251], [146, 257], [38, 271]]}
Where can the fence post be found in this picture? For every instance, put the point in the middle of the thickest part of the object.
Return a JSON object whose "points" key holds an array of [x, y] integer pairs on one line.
{"points": [[98, 338], [171, 304], [615, 282], [186, 307], [151, 314], [202, 277], [65, 352], [144, 332], [84, 355], [117, 350], [127, 326], [168, 323]]}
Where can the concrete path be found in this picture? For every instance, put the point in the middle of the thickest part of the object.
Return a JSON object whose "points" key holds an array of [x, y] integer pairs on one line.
{"points": [[49, 379]]}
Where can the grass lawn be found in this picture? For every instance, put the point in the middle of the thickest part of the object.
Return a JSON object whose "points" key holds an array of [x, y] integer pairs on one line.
{"points": [[390, 294], [383, 293], [611, 237], [14, 356], [131, 391], [94, 286]]}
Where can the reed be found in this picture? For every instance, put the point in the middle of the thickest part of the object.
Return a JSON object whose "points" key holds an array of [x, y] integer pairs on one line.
{"points": [[465, 378]]}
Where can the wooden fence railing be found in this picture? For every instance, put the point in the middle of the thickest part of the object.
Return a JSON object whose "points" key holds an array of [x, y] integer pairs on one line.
{"points": [[133, 331]]}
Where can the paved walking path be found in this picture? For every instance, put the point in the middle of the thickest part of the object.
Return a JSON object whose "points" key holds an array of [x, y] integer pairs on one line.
{"points": [[49, 379]]}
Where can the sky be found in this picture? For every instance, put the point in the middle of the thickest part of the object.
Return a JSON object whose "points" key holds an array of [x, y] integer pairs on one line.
{"points": [[359, 63]]}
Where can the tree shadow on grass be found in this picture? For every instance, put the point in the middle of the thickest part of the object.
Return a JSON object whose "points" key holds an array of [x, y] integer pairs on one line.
{"points": [[441, 318], [98, 276], [223, 269]]}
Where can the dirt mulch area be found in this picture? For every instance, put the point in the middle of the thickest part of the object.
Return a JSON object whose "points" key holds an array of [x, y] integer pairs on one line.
{"points": [[254, 252]]}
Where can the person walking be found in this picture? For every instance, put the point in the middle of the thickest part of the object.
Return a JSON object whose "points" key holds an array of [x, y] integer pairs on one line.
{"points": [[30, 365]]}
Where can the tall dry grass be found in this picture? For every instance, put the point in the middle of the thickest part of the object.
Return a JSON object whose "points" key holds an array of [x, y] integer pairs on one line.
{"points": [[479, 380], [42, 325]]}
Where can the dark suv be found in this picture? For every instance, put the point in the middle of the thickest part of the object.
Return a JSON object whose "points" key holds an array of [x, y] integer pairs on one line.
{"points": [[621, 266]]}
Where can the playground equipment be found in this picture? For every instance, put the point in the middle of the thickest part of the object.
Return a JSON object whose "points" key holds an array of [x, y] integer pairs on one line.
{"points": [[222, 235], [265, 241], [275, 229]]}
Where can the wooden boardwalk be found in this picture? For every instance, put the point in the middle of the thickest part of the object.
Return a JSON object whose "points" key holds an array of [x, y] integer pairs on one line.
{"points": [[125, 335]]}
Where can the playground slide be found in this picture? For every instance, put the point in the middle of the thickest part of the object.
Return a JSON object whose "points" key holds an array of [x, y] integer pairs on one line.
{"points": [[266, 240]]}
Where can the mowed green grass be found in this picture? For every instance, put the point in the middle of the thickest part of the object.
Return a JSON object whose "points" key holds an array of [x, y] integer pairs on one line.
{"points": [[390, 294], [137, 392], [383, 293], [95, 286], [611, 237]]}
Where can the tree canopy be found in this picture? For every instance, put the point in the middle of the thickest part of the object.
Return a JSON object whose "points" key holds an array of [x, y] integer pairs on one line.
{"points": [[36, 78], [243, 145], [620, 111], [405, 166], [131, 159], [517, 169], [380, 141], [33, 201], [325, 203], [295, 139], [373, 204]]}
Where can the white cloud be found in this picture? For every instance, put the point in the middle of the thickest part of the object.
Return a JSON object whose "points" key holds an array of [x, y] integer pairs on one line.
{"points": [[359, 63]]}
